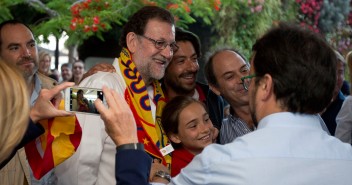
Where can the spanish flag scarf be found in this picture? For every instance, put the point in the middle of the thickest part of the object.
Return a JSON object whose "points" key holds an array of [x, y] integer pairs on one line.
{"points": [[59, 142], [149, 133]]}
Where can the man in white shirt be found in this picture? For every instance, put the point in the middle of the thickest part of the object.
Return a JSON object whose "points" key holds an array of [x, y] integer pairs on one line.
{"points": [[148, 41], [292, 78]]}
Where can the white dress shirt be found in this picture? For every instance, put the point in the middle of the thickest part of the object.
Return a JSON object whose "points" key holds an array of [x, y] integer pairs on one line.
{"points": [[285, 149]]}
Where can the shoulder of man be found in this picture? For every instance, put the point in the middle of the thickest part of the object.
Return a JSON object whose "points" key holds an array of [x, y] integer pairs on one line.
{"points": [[204, 87], [47, 82]]}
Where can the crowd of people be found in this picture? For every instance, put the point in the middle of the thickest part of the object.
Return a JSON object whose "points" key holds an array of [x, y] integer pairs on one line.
{"points": [[288, 121], [70, 72]]}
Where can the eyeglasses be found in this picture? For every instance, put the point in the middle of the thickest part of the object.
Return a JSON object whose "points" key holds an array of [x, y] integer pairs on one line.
{"points": [[246, 80], [160, 44]]}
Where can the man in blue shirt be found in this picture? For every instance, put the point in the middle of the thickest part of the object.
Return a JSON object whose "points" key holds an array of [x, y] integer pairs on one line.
{"points": [[224, 71], [18, 47]]}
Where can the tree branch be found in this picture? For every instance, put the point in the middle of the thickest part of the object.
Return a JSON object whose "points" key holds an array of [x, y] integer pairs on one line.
{"points": [[39, 4]]}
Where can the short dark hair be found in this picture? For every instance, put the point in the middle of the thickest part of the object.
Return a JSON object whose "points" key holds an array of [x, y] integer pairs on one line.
{"points": [[139, 20], [78, 61], [209, 69], [68, 65], [80, 91], [183, 35], [301, 64], [171, 113], [13, 22]]}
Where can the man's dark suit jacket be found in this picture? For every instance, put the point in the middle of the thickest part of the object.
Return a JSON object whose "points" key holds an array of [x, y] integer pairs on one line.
{"points": [[132, 167]]}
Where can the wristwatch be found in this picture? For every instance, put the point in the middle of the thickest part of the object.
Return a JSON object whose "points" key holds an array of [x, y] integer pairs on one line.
{"points": [[130, 146], [163, 174]]}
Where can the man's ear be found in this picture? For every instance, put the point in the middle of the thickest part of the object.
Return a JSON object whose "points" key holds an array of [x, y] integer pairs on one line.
{"points": [[174, 138], [266, 86], [131, 41], [214, 89]]}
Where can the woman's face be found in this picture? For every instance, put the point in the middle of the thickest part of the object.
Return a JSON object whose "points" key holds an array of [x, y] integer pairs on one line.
{"points": [[78, 69], [44, 65], [195, 129]]}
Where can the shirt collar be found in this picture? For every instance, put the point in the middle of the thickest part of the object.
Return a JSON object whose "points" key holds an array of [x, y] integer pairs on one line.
{"points": [[289, 119], [36, 90]]}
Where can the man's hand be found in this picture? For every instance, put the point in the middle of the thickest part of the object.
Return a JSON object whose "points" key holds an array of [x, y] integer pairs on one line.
{"points": [[48, 102], [104, 67], [118, 118], [157, 166]]}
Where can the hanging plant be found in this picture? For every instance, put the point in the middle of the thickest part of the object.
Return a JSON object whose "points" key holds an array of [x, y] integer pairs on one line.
{"points": [[309, 13], [333, 14]]}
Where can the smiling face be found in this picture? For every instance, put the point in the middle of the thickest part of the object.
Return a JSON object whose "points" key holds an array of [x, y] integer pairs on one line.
{"points": [[66, 73], [150, 61], [180, 75], [78, 69], [19, 47], [195, 129], [229, 68], [44, 64]]}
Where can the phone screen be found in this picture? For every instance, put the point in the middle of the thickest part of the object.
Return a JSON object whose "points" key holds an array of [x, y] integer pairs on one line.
{"points": [[82, 99]]}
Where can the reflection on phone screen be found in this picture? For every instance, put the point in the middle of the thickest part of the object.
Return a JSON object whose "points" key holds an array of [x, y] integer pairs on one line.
{"points": [[82, 100]]}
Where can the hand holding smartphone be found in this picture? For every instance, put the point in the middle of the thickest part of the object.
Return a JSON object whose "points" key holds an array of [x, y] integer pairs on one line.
{"points": [[81, 99]]}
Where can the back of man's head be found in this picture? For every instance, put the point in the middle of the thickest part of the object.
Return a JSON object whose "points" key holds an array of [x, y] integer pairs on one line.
{"points": [[183, 35], [302, 65], [139, 20]]}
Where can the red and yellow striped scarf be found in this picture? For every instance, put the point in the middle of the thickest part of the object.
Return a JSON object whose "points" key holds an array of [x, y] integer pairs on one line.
{"points": [[149, 133], [59, 142]]}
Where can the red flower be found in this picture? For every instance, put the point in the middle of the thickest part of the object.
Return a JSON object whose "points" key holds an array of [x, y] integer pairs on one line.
{"points": [[172, 6], [103, 25], [186, 7], [74, 20], [146, 2], [96, 20], [86, 28], [86, 4], [189, 1], [73, 26], [94, 28], [80, 20], [216, 4]]}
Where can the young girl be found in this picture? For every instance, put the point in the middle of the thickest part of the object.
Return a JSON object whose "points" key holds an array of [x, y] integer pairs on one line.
{"points": [[187, 124]]}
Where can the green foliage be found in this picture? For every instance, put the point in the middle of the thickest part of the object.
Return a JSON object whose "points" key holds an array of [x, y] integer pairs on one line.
{"points": [[236, 23], [83, 19], [5, 13], [240, 23]]}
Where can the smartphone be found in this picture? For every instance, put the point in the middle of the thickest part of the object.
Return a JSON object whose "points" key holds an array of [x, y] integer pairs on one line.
{"points": [[81, 99]]}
